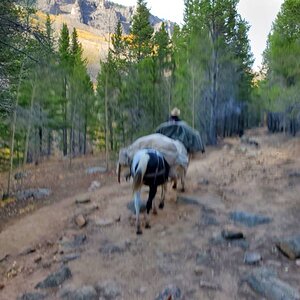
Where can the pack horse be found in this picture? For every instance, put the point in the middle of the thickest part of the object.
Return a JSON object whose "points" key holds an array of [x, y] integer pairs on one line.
{"points": [[150, 168], [151, 160]]}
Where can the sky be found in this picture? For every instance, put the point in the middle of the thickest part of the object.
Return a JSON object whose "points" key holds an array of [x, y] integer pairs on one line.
{"points": [[258, 13]]}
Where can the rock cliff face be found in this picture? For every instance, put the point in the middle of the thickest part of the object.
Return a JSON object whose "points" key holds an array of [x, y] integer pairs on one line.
{"points": [[93, 19], [100, 14]]}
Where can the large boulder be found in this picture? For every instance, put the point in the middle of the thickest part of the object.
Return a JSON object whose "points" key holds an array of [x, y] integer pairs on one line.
{"points": [[290, 246], [55, 279], [249, 219], [266, 283]]}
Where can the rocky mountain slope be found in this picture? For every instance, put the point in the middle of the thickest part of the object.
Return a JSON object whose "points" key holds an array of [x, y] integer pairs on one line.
{"points": [[94, 20]]}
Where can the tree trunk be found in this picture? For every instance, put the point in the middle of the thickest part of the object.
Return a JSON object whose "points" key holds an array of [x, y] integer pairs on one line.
{"points": [[84, 137], [106, 103], [193, 105], [65, 134], [214, 98], [29, 122], [70, 145], [71, 141], [40, 142], [49, 142], [111, 130], [123, 132], [106, 122], [169, 93], [212, 128], [79, 137], [13, 130], [85, 127]]}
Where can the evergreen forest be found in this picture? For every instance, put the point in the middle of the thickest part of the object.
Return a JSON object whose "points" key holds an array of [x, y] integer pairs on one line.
{"points": [[50, 106]]}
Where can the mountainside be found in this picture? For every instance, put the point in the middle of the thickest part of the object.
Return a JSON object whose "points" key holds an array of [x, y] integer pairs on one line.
{"points": [[94, 20]]}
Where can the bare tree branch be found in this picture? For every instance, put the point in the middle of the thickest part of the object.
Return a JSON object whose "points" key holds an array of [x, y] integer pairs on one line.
{"points": [[22, 28], [20, 51]]}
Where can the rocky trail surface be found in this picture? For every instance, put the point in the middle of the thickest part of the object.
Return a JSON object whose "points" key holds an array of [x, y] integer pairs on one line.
{"points": [[234, 233]]}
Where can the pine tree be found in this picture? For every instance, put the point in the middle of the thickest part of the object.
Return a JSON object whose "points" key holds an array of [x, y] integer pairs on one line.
{"points": [[119, 69], [49, 34], [280, 89], [283, 44], [162, 75], [139, 82], [15, 47], [212, 62], [81, 97], [65, 59], [180, 77], [118, 49], [64, 47], [141, 32]]}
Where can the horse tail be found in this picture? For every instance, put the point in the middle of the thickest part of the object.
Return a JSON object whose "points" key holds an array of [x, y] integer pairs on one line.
{"points": [[140, 172]]}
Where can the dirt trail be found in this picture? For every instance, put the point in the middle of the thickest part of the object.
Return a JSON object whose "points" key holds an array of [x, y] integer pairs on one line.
{"points": [[183, 247]]}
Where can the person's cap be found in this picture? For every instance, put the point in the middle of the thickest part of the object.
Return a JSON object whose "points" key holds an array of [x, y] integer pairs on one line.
{"points": [[175, 112]]}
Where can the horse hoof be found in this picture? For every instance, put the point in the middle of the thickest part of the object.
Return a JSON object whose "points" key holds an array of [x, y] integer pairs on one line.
{"points": [[182, 190], [154, 211], [139, 232], [161, 205], [147, 226], [174, 187]]}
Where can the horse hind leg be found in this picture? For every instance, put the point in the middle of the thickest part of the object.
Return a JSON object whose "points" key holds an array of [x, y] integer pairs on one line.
{"points": [[163, 194], [174, 187], [154, 209], [137, 204], [182, 184], [182, 175], [152, 193]]}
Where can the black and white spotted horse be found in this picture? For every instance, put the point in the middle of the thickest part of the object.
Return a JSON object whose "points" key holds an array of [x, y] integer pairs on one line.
{"points": [[150, 168]]}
